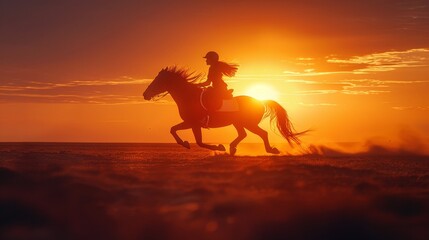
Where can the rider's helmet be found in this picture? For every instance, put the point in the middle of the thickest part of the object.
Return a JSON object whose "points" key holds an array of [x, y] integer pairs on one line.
{"points": [[212, 55]]}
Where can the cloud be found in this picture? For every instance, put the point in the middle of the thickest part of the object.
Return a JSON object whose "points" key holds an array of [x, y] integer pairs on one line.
{"points": [[314, 73], [124, 90], [64, 98], [386, 61], [127, 89], [33, 85], [363, 92], [347, 86], [364, 64], [318, 104], [404, 108], [316, 92]]}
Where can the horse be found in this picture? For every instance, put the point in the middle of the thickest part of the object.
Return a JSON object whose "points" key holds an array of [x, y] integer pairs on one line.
{"points": [[180, 84]]}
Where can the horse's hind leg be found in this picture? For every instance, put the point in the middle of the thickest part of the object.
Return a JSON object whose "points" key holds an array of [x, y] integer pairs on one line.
{"points": [[264, 135], [241, 135]]}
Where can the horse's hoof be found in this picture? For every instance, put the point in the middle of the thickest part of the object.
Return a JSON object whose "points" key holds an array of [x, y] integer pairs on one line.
{"points": [[274, 151], [220, 147], [186, 144], [232, 150]]}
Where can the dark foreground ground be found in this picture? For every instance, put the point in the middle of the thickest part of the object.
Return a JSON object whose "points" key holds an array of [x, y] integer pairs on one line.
{"points": [[90, 191]]}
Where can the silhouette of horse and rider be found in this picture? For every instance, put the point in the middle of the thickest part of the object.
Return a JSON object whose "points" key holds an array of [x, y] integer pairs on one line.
{"points": [[200, 104]]}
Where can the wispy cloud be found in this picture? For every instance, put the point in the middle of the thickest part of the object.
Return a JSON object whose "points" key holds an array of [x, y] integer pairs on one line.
{"points": [[348, 86], [307, 73], [365, 64], [404, 108], [68, 98], [318, 104], [32, 85], [305, 59], [124, 90], [129, 90], [364, 92], [387, 61]]}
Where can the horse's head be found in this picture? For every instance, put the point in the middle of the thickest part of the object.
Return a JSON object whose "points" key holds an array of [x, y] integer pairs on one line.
{"points": [[158, 85], [170, 79]]}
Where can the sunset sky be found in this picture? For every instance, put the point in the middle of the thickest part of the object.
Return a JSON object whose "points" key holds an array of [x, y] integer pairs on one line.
{"points": [[349, 70]]}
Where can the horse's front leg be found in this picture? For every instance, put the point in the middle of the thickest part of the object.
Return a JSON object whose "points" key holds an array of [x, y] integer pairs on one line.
{"points": [[180, 126], [199, 139]]}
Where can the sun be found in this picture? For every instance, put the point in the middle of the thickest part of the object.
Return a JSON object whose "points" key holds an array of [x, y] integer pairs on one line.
{"points": [[262, 91]]}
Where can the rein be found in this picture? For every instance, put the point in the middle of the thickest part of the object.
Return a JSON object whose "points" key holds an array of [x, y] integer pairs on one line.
{"points": [[201, 98]]}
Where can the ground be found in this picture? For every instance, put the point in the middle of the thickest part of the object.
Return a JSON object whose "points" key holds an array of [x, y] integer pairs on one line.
{"points": [[129, 193]]}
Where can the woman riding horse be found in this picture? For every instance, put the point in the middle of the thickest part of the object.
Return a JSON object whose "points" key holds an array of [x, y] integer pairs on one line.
{"points": [[219, 89], [187, 95]]}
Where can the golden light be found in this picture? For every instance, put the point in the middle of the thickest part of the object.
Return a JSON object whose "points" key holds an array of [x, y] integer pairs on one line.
{"points": [[262, 91]]}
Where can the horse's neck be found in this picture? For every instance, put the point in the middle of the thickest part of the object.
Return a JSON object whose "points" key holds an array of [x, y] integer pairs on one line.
{"points": [[185, 94]]}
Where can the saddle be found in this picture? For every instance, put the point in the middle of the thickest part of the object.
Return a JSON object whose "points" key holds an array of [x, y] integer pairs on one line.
{"points": [[213, 101]]}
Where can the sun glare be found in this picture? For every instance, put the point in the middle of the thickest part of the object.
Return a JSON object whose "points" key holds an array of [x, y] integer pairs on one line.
{"points": [[262, 91]]}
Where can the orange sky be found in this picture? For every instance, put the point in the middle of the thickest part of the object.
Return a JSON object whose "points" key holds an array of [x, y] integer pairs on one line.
{"points": [[76, 71]]}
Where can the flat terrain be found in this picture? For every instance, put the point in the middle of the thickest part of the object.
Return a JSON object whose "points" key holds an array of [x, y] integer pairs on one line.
{"points": [[148, 191]]}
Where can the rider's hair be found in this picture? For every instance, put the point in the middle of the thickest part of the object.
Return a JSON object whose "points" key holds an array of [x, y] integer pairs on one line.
{"points": [[227, 69]]}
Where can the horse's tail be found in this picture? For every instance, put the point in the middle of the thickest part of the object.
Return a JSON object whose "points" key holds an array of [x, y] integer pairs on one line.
{"points": [[275, 111]]}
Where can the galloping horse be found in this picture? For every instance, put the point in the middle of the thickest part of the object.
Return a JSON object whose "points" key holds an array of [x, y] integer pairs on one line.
{"points": [[188, 97]]}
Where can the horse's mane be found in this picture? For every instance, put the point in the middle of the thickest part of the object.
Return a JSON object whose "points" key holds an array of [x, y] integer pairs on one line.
{"points": [[185, 74]]}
